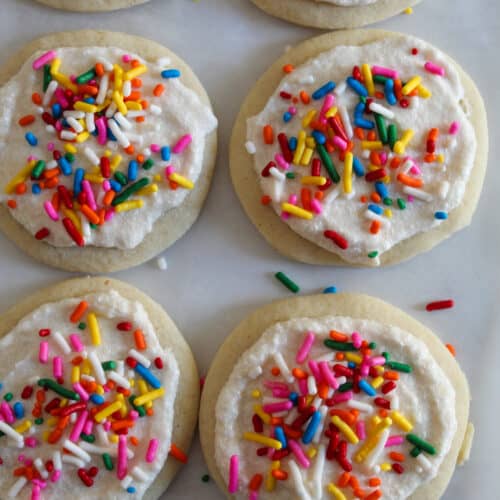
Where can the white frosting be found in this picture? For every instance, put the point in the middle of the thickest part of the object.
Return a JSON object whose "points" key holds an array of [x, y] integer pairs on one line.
{"points": [[20, 367], [177, 112], [347, 3], [425, 397], [445, 182]]}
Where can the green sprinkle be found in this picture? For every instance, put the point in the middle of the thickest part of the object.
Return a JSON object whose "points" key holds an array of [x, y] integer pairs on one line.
{"points": [[82, 326], [48, 383], [205, 478], [362, 99], [423, 445], [415, 452], [401, 203], [372, 345], [86, 77], [126, 193], [108, 365], [393, 135], [328, 163], [47, 77], [70, 157], [93, 226], [339, 346], [38, 169], [108, 463], [139, 409], [89, 438], [400, 367], [346, 387], [380, 79], [121, 178], [290, 175], [386, 355], [382, 128], [293, 287], [373, 254], [8, 397], [1, 434], [388, 202], [38, 421], [148, 164]]}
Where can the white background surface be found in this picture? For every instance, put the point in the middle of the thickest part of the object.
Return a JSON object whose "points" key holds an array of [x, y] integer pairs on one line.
{"points": [[222, 269]]}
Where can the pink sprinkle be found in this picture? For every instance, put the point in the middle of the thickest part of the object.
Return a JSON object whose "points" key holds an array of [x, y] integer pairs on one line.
{"points": [[106, 426], [292, 110], [35, 492], [50, 210], [299, 454], [377, 361], [121, 469], [383, 157], [40, 483], [454, 128], [72, 78], [87, 189], [415, 170], [21, 458], [394, 441], [340, 143], [303, 386], [88, 427], [51, 146], [134, 415], [327, 374], [100, 124], [30, 442], [155, 148], [313, 366], [277, 407], [280, 393], [32, 158], [410, 198], [316, 206], [360, 429], [380, 70], [57, 366], [169, 171], [434, 68], [84, 395], [270, 384], [341, 397], [253, 495], [76, 342], [304, 349], [44, 59], [126, 58], [43, 352], [364, 369], [61, 97], [292, 199], [327, 103], [106, 186], [233, 474], [7, 412], [182, 144], [56, 475], [356, 340], [109, 214], [281, 161], [152, 449], [78, 427]]}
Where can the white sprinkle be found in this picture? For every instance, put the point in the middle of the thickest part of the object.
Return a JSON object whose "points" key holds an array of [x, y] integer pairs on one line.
{"points": [[340, 88], [49, 93], [98, 370], [161, 262], [307, 79], [318, 471], [373, 216], [365, 153], [126, 482], [112, 145], [359, 405], [107, 65], [91, 156], [406, 166], [346, 120], [103, 90], [444, 187], [424, 461], [164, 61], [372, 459], [74, 114], [17, 487], [156, 110], [12, 433], [90, 122], [250, 147], [121, 381], [285, 371], [277, 174], [102, 436], [39, 110], [61, 342], [311, 385], [76, 450], [56, 459], [418, 193], [319, 431], [135, 138], [122, 121], [139, 474], [139, 357], [52, 164], [66, 135], [298, 481], [74, 124], [127, 88], [70, 459], [146, 152], [291, 416], [50, 129], [381, 110], [111, 110], [136, 113], [255, 371], [41, 468], [117, 132]]}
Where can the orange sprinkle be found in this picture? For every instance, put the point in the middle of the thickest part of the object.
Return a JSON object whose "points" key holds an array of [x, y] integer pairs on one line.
{"points": [[77, 361], [134, 63], [135, 95], [391, 375], [299, 373], [134, 440], [372, 136], [410, 181], [158, 90], [279, 474], [396, 456], [288, 68], [99, 69], [275, 371], [374, 481], [379, 95], [140, 119], [375, 158], [375, 197], [137, 83], [110, 384], [359, 133], [88, 89], [109, 197], [178, 454], [36, 98], [398, 87], [304, 97], [323, 390], [343, 480], [395, 162], [345, 415], [363, 199], [353, 482], [338, 336], [339, 356], [329, 147], [433, 134], [430, 158], [51, 172], [140, 158], [374, 495], [375, 227], [122, 424], [255, 482], [50, 183], [130, 149], [451, 348], [382, 413], [319, 195], [140, 341], [12, 204], [26, 120], [305, 198], [79, 311], [21, 188], [101, 214], [266, 199], [144, 104], [359, 493], [89, 213], [268, 134]]}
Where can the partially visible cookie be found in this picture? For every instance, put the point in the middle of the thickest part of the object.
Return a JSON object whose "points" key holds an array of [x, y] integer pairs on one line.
{"points": [[100, 393], [107, 150], [91, 5], [334, 14], [334, 396], [360, 147]]}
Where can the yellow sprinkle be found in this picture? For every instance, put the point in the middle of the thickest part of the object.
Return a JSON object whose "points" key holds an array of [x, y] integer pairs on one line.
{"points": [[63, 403], [52, 421], [372, 167], [372, 145], [408, 10], [256, 393], [95, 332], [94, 178], [82, 137], [355, 358], [149, 396], [306, 157], [109, 410], [312, 452], [399, 147], [157, 177], [372, 440], [25, 426], [308, 118], [310, 143], [297, 211], [129, 205], [118, 100], [45, 436], [123, 410], [65, 81], [411, 85], [312, 180], [367, 74], [70, 148], [135, 72], [424, 92], [115, 162], [113, 438], [401, 421], [143, 389], [148, 190], [108, 153], [133, 106], [104, 105], [301, 145], [348, 173], [262, 414], [265, 441], [75, 374], [85, 107], [377, 382], [379, 369], [385, 467], [440, 158], [54, 66], [118, 72], [345, 429], [86, 367], [331, 112], [335, 492], [386, 179], [270, 480], [388, 213], [181, 180], [20, 177], [100, 390]]}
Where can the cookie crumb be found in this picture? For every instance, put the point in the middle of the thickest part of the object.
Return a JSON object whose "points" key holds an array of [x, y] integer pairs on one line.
{"points": [[161, 262]]}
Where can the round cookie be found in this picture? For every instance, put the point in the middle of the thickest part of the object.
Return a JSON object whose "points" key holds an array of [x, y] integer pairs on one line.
{"points": [[283, 327], [279, 233], [333, 14], [175, 219], [176, 355], [91, 5]]}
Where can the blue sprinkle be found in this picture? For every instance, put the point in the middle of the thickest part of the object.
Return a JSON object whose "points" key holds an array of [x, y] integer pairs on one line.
{"points": [[110, 135], [36, 189], [133, 166], [147, 376], [131, 489], [359, 109], [441, 215], [18, 410], [375, 209], [322, 91], [367, 388], [292, 143], [311, 428], [319, 137], [170, 73], [165, 153], [358, 87], [389, 92], [358, 167], [351, 364], [56, 110], [89, 100], [362, 123], [97, 399], [77, 181], [65, 123], [115, 185], [330, 289], [31, 138], [287, 116], [294, 398], [65, 165], [381, 189], [279, 434], [1, 386]]}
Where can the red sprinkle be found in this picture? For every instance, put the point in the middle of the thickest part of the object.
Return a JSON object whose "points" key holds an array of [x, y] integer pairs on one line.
{"points": [[131, 362], [26, 120], [339, 240], [398, 468], [440, 304], [44, 332], [159, 363], [27, 392], [414, 51], [42, 233], [93, 471], [86, 479], [124, 326]]}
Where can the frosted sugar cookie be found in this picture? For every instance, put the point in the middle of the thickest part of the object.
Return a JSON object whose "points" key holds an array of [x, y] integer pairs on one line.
{"points": [[91, 5], [107, 149], [334, 14], [334, 397], [360, 147], [99, 394]]}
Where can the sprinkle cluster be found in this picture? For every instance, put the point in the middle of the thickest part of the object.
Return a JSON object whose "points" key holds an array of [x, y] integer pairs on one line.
{"points": [[312, 413], [87, 410], [103, 107], [329, 132]]}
